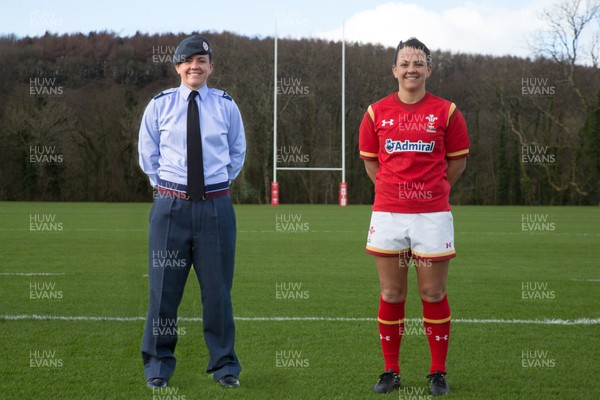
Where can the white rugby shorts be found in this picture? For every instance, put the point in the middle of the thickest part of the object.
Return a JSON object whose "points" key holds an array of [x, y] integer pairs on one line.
{"points": [[426, 236]]}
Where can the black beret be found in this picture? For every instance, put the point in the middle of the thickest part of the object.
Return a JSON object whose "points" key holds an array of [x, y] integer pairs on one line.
{"points": [[190, 47]]}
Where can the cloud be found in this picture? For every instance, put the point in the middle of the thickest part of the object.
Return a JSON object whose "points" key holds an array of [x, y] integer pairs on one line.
{"points": [[469, 28]]}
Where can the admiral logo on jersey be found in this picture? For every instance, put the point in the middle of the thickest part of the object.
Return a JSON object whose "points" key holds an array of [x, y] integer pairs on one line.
{"points": [[397, 146]]}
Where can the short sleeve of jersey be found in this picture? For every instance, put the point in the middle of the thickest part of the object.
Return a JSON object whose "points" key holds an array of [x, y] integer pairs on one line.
{"points": [[368, 142], [457, 137]]}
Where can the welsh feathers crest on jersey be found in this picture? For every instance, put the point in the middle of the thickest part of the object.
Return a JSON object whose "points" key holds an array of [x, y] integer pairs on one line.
{"points": [[431, 123]]}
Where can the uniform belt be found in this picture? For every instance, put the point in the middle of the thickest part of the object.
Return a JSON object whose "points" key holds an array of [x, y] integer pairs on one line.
{"points": [[177, 190]]}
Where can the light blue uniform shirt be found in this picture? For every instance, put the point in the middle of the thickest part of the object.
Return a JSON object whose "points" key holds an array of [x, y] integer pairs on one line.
{"points": [[162, 142]]}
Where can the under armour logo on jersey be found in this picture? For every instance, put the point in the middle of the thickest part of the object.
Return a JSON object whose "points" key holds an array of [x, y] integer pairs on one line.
{"points": [[449, 245], [389, 122], [386, 338], [438, 338]]}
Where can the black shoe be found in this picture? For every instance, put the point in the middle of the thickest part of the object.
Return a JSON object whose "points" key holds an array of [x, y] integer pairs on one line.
{"points": [[229, 381], [438, 384], [387, 382], [157, 382]]}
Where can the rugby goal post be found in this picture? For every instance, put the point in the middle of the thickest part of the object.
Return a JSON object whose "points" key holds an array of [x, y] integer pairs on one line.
{"points": [[343, 190]]}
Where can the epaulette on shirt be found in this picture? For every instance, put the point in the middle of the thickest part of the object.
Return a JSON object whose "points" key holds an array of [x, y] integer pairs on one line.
{"points": [[221, 93], [164, 92]]}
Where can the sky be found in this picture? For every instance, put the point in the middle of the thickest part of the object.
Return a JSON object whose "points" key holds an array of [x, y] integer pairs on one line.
{"points": [[466, 26]]}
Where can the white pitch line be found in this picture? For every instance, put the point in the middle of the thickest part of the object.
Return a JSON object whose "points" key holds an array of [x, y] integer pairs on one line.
{"points": [[80, 230], [533, 233], [32, 273], [520, 233], [546, 321], [26, 317]]}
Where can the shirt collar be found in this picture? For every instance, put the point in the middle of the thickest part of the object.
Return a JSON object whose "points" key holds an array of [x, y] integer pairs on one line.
{"points": [[185, 91]]}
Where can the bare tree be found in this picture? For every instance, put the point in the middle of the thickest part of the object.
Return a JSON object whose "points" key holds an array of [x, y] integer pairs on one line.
{"points": [[540, 121], [561, 41]]}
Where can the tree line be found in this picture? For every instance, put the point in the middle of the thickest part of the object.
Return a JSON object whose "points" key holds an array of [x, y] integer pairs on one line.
{"points": [[70, 108]]}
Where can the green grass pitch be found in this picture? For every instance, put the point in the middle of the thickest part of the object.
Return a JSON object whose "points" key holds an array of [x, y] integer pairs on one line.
{"points": [[517, 267]]}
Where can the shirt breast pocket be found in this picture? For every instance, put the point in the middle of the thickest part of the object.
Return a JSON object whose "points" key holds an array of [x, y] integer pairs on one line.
{"points": [[215, 131], [173, 131]]}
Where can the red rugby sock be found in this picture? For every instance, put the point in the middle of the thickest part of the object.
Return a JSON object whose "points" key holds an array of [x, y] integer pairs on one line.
{"points": [[436, 317], [391, 325]]}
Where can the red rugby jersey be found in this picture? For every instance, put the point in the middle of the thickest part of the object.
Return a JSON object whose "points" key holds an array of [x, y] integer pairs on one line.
{"points": [[412, 143]]}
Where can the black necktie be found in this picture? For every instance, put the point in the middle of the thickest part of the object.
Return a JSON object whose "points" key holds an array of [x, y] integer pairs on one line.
{"points": [[195, 173]]}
